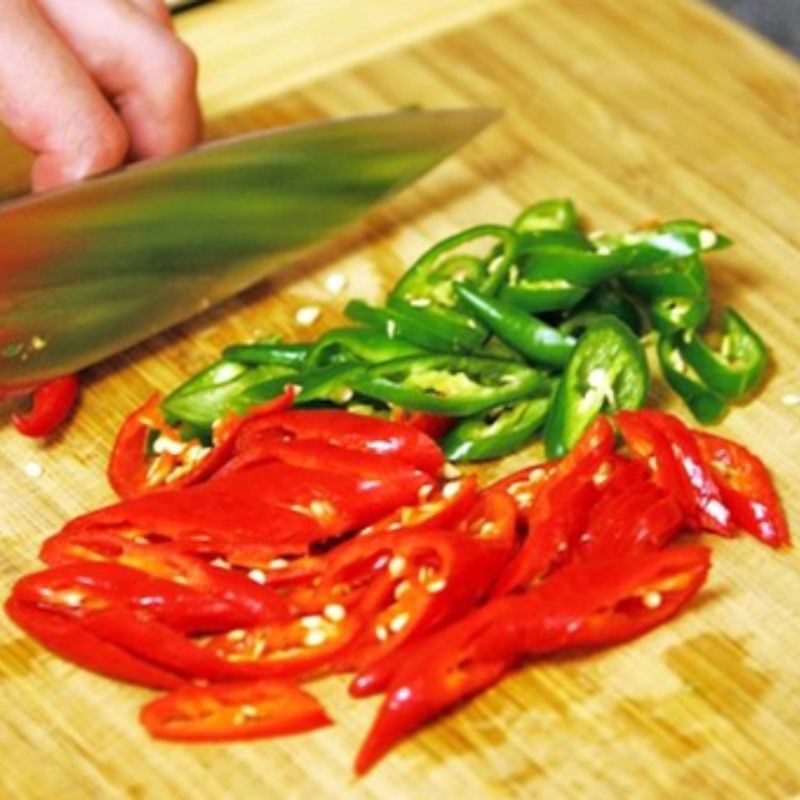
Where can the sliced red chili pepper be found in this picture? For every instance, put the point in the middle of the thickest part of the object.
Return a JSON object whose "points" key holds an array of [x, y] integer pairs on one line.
{"points": [[66, 638], [51, 404], [320, 455], [560, 508], [596, 603], [666, 445], [440, 506], [402, 583], [305, 646], [233, 712], [433, 425], [180, 463], [592, 604], [746, 487], [210, 605], [637, 518], [141, 634], [352, 431], [356, 491], [204, 518]]}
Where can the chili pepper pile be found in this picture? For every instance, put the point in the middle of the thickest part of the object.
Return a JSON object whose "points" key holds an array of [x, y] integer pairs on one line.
{"points": [[307, 542], [505, 331]]}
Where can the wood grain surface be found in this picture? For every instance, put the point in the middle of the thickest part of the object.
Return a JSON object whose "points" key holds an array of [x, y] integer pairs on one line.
{"points": [[637, 109]]}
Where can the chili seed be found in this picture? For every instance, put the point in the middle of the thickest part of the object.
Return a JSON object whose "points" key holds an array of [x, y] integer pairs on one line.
{"points": [[399, 622], [397, 566], [335, 612], [652, 600]]}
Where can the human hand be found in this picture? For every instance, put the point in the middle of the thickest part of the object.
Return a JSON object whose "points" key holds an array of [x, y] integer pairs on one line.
{"points": [[87, 84]]}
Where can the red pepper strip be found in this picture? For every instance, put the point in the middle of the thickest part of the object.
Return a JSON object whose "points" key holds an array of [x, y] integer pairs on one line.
{"points": [[52, 403], [76, 590], [493, 520], [433, 425], [141, 634], [678, 465], [403, 584], [560, 509], [444, 506], [305, 646], [233, 712], [203, 518], [132, 474], [319, 455], [166, 561], [338, 500], [597, 603], [351, 431], [746, 488], [636, 519], [68, 639], [592, 604]]}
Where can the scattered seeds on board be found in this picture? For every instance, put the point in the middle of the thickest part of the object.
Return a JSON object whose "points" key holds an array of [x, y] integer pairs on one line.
{"points": [[307, 315]]}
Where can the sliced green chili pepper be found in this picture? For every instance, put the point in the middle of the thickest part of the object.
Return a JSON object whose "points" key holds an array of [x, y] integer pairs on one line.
{"points": [[346, 345], [333, 384], [534, 339], [578, 266], [289, 355], [608, 371], [208, 395], [542, 295], [671, 314], [496, 432], [431, 332], [557, 214], [604, 300], [676, 277], [430, 282], [706, 406], [675, 239], [739, 365], [451, 385], [260, 393]]}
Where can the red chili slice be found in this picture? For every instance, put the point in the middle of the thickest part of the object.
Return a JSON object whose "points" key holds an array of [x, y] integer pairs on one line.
{"points": [[51, 404], [678, 466], [305, 646], [442, 506], [594, 604], [351, 431], [82, 588], [68, 639], [132, 473], [746, 487], [233, 712]]}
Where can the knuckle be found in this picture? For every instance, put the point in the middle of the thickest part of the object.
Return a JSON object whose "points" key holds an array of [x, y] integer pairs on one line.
{"points": [[179, 68], [108, 146]]}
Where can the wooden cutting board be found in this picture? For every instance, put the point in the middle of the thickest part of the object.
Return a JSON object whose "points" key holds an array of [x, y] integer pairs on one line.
{"points": [[637, 110]]}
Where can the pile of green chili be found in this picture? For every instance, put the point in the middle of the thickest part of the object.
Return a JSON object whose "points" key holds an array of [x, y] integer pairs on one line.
{"points": [[511, 330]]}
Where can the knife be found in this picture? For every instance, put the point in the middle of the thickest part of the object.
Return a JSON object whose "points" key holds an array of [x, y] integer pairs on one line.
{"points": [[89, 270]]}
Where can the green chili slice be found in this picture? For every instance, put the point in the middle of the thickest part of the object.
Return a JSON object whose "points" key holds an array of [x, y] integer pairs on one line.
{"points": [[451, 385], [706, 406], [738, 367], [209, 394], [555, 214], [608, 371], [535, 340], [428, 331], [495, 432], [346, 345], [289, 355], [671, 314]]}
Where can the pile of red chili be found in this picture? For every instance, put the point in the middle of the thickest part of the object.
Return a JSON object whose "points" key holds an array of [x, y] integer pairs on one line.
{"points": [[310, 542]]}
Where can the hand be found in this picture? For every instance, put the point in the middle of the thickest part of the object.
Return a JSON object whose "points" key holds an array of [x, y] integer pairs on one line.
{"points": [[87, 84]]}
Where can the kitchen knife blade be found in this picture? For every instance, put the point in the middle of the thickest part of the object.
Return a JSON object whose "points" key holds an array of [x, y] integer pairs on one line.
{"points": [[89, 270]]}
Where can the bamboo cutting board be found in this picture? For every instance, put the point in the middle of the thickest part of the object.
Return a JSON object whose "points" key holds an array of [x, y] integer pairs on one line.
{"points": [[637, 110]]}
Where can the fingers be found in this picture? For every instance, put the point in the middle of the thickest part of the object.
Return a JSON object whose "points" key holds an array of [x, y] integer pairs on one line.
{"points": [[147, 72], [51, 105], [156, 10]]}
